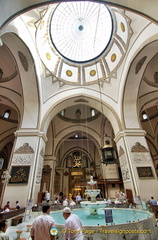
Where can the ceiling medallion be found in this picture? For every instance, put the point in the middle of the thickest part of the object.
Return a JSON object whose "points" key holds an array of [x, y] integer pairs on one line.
{"points": [[122, 27], [72, 42], [68, 73], [81, 34], [92, 73], [113, 57]]}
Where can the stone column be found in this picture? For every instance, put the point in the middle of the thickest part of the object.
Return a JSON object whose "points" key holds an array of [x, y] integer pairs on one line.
{"points": [[26, 165], [52, 177], [136, 164]]}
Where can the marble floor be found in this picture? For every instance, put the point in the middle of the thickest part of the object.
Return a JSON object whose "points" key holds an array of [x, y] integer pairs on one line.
{"points": [[25, 234]]}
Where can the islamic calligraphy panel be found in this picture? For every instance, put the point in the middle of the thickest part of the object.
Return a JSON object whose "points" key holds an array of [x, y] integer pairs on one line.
{"points": [[19, 175]]}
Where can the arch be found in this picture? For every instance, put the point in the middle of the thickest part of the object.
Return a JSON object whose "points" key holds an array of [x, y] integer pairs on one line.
{"points": [[94, 136], [59, 102], [27, 78], [130, 101]]}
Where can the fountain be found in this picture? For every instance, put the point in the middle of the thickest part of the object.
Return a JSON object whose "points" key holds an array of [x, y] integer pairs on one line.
{"points": [[93, 205], [95, 226]]}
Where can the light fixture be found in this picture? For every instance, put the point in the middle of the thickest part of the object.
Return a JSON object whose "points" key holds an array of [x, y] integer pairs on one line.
{"points": [[109, 155], [144, 115], [7, 114]]}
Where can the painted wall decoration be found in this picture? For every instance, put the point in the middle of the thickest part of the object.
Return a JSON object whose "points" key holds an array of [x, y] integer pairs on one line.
{"points": [[145, 172], [19, 175]]}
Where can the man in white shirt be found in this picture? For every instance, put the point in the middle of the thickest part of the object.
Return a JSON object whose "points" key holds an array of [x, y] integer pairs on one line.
{"points": [[73, 225], [47, 196], [40, 229]]}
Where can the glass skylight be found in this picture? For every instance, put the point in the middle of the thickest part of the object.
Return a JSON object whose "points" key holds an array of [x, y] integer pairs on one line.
{"points": [[81, 30]]}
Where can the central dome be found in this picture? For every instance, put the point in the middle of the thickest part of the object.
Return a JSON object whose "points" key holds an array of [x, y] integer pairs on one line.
{"points": [[80, 31]]}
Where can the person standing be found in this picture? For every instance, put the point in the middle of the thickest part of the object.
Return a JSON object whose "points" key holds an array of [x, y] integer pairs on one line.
{"points": [[3, 228], [78, 198], [73, 225], [40, 229], [47, 196]]}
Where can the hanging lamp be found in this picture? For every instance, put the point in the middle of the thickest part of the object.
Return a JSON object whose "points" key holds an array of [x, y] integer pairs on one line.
{"points": [[109, 154]]}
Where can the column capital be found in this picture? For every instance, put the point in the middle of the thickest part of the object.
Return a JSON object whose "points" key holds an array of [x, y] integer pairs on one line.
{"points": [[31, 133], [129, 133]]}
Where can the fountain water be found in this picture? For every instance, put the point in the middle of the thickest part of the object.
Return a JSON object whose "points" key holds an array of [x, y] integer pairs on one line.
{"points": [[93, 204], [95, 225]]}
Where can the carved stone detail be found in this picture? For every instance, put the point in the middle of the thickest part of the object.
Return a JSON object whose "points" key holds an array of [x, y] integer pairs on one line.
{"points": [[141, 157], [139, 148], [19, 159], [24, 149], [39, 170], [121, 152], [124, 169]]}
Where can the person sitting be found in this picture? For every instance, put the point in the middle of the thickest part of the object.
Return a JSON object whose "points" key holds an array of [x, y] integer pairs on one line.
{"points": [[117, 201], [3, 228], [72, 203], [6, 210], [57, 202], [7, 206], [153, 201], [65, 202], [17, 205], [105, 200]]}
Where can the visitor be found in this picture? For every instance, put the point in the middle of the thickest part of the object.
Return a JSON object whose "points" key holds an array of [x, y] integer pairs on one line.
{"points": [[117, 201], [7, 206], [65, 202], [105, 200], [3, 228], [47, 196], [153, 201], [6, 210], [56, 202], [109, 201], [72, 203], [17, 205], [78, 198], [74, 223], [41, 226]]}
